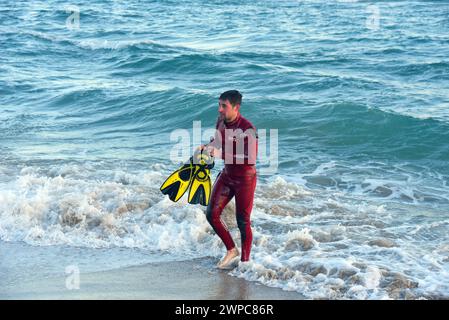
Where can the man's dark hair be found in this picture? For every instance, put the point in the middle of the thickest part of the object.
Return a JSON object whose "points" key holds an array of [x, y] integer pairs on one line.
{"points": [[233, 96]]}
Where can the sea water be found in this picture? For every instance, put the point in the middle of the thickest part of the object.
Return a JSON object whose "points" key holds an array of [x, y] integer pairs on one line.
{"points": [[358, 204]]}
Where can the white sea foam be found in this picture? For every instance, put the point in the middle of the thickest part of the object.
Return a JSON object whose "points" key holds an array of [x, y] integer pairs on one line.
{"points": [[322, 244], [396, 183]]}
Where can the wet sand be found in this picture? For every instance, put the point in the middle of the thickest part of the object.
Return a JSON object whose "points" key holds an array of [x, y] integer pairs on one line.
{"points": [[181, 280]]}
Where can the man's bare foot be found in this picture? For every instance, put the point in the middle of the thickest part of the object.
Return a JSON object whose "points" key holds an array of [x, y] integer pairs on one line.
{"points": [[226, 261]]}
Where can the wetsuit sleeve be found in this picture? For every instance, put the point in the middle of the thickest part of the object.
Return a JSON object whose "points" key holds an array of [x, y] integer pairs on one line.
{"points": [[216, 140]]}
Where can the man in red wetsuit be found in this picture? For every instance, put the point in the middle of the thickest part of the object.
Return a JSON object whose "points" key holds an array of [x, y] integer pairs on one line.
{"points": [[235, 142]]}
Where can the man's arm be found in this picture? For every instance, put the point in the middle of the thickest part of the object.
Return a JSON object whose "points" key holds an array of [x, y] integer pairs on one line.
{"points": [[214, 146]]}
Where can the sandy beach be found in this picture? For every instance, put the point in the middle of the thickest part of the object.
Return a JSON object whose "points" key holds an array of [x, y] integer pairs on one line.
{"points": [[168, 280]]}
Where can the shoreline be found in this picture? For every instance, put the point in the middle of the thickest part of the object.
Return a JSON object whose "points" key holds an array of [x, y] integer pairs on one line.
{"points": [[179, 280]]}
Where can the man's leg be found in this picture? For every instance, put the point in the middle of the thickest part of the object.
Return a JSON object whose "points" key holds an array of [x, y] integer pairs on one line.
{"points": [[221, 195], [244, 198]]}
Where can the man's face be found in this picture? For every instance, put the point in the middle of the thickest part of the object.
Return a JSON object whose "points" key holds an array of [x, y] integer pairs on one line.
{"points": [[227, 111]]}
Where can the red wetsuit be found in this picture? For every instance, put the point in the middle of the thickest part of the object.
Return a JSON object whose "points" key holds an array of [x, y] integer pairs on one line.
{"points": [[238, 178]]}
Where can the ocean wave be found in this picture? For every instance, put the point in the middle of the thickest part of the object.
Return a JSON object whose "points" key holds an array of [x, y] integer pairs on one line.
{"points": [[440, 67], [375, 131], [144, 44], [65, 206], [97, 43], [324, 245]]}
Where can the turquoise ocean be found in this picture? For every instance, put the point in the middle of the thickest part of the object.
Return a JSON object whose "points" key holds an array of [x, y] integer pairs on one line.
{"points": [[358, 91]]}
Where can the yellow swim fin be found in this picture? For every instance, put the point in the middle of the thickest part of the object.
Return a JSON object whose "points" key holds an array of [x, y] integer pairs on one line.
{"points": [[200, 187], [178, 182]]}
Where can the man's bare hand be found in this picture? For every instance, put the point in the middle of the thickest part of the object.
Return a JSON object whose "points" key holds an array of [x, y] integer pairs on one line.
{"points": [[213, 152]]}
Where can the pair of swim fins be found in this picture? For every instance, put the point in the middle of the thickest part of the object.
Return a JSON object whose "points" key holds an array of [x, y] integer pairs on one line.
{"points": [[194, 174]]}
